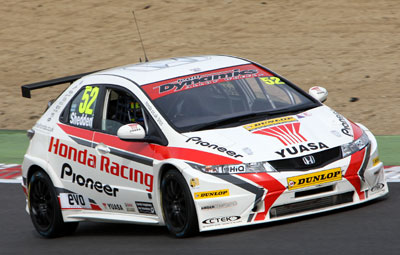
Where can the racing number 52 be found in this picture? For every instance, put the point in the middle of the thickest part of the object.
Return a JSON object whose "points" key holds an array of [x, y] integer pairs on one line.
{"points": [[271, 80], [88, 98]]}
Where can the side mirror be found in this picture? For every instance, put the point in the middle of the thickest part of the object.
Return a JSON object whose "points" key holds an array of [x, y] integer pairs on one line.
{"points": [[318, 93], [131, 131]]}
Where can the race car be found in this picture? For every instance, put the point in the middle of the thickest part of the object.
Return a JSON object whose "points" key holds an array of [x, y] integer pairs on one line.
{"points": [[193, 143]]}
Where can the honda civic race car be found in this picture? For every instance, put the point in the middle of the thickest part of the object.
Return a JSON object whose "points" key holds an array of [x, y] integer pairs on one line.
{"points": [[193, 143]]}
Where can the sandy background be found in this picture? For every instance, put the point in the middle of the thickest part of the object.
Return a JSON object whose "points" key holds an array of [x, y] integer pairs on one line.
{"points": [[350, 47]]}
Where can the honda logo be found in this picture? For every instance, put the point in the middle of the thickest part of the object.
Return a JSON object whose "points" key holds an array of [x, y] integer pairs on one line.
{"points": [[309, 160]]}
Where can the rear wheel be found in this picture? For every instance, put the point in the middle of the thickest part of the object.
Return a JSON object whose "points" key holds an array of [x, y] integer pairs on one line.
{"points": [[44, 208], [178, 207]]}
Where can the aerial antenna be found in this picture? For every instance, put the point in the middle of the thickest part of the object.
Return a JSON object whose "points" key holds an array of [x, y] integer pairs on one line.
{"points": [[140, 37]]}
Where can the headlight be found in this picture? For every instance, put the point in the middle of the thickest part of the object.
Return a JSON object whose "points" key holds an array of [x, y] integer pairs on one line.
{"points": [[356, 145], [255, 167]]}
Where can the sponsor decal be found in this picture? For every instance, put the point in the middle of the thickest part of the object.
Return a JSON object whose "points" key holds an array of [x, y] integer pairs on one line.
{"points": [[221, 220], [74, 201], [286, 133], [212, 194], [198, 141], [82, 114], [206, 79], [318, 90], [219, 205], [106, 165], [113, 207], [303, 115], [44, 127], [375, 161], [94, 205], [134, 127], [83, 120], [377, 187], [272, 80], [145, 207], [194, 182], [270, 122], [130, 207], [307, 180], [234, 169], [126, 172], [88, 183], [346, 127], [71, 153], [60, 103], [294, 150], [163, 88], [153, 112]]}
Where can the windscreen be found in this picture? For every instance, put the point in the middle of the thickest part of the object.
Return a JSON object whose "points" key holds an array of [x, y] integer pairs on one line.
{"points": [[224, 97]]}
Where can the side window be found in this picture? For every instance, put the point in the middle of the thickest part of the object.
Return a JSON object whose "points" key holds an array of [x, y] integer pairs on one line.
{"points": [[120, 108], [82, 108]]}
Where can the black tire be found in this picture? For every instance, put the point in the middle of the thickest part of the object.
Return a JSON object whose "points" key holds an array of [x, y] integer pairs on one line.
{"points": [[178, 207], [44, 208]]}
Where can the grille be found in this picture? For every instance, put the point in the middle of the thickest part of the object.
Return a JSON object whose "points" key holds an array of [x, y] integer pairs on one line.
{"points": [[322, 158], [312, 204], [313, 191]]}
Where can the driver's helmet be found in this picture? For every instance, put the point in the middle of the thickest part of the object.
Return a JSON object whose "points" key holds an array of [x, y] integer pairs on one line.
{"points": [[135, 112]]}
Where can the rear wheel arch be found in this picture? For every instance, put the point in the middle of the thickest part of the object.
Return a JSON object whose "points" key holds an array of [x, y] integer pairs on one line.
{"points": [[44, 207], [33, 169], [48, 171]]}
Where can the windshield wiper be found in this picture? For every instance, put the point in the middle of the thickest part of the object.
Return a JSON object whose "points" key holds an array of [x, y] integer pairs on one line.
{"points": [[250, 116], [293, 110], [236, 119]]}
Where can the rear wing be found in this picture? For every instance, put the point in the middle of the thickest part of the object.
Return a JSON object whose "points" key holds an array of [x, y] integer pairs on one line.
{"points": [[26, 89]]}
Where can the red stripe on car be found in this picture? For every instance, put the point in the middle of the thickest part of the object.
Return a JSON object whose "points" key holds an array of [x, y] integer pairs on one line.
{"points": [[95, 207], [154, 151], [357, 131], [78, 132], [352, 171], [356, 162], [272, 185]]}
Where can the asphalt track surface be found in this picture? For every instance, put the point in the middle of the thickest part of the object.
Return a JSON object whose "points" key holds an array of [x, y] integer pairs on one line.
{"points": [[371, 228]]}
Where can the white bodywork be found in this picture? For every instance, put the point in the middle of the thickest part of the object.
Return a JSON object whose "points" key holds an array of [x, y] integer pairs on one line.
{"points": [[95, 182]]}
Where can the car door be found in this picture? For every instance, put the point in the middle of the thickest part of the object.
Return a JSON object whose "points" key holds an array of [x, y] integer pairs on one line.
{"points": [[70, 151], [126, 165]]}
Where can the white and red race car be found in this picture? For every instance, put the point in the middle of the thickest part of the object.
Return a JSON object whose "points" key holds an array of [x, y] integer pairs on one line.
{"points": [[193, 143]]}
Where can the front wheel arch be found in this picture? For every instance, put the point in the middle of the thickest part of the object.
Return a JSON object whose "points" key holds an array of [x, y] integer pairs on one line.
{"points": [[177, 204]]}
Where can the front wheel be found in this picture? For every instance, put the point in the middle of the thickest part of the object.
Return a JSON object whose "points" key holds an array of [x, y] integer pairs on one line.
{"points": [[44, 208], [178, 207]]}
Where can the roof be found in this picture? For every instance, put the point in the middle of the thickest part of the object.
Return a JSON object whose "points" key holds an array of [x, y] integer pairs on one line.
{"points": [[153, 71], [149, 72]]}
